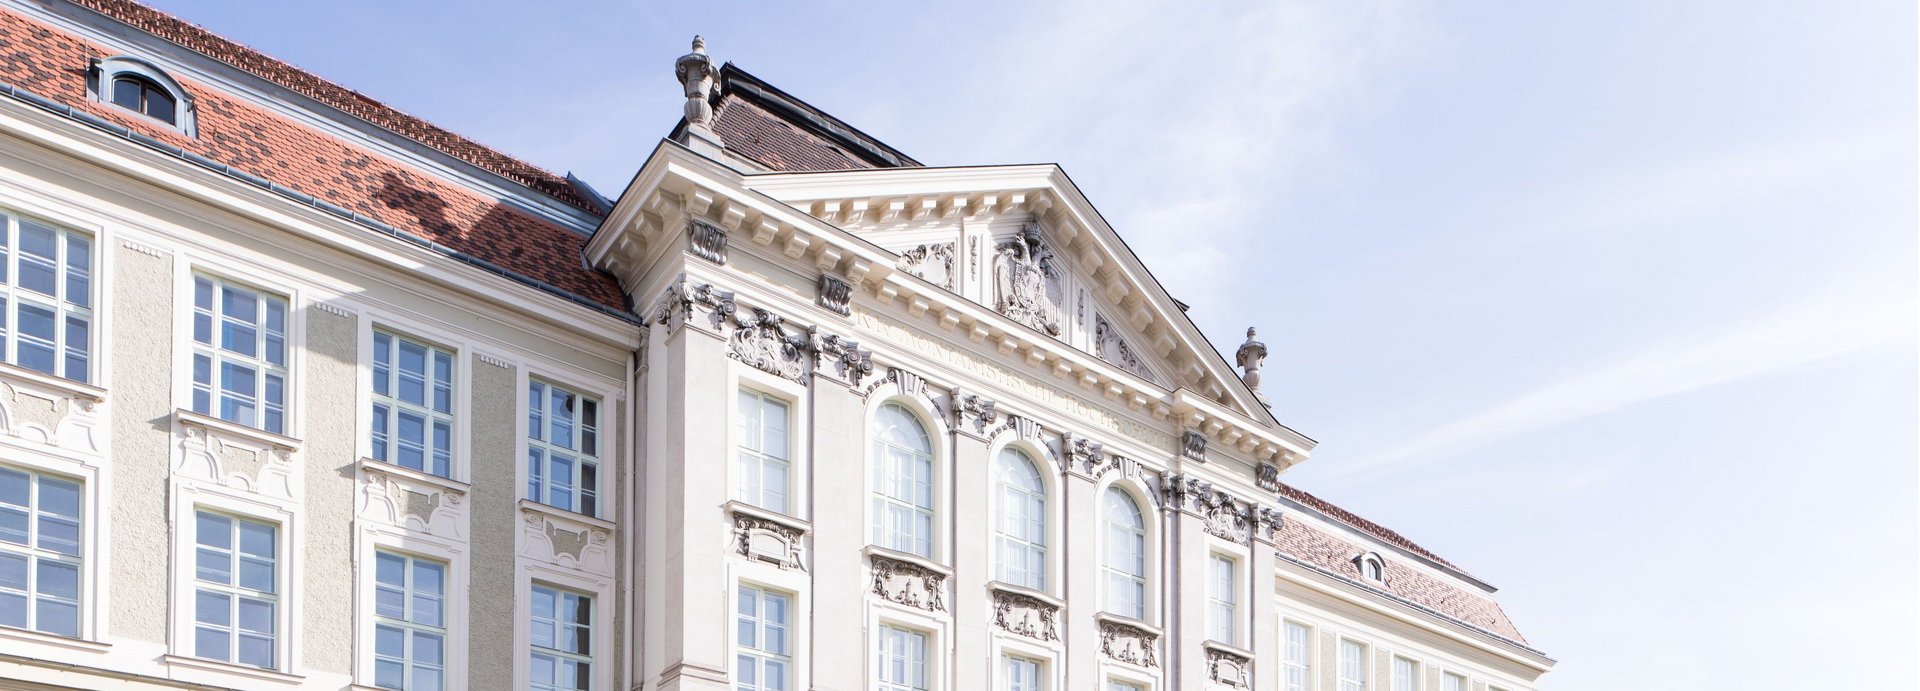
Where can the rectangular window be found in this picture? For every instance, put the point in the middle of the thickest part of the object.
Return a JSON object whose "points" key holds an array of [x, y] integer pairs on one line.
{"points": [[1298, 657], [1123, 686], [1220, 598], [236, 594], [562, 632], [762, 462], [46, 297], [1406, 674], [1353, 666], [412, 404], [1021, 673], [764, 660], [1453, 682], [409, 631], [239, 354], [563, 448], [39, 553], [901, 660]]}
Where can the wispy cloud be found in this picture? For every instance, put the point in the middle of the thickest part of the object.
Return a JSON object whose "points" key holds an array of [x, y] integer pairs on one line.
{"points": [[1866, 312]]}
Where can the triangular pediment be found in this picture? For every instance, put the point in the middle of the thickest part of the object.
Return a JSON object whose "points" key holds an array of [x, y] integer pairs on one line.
{"points": [[1023, 241]]}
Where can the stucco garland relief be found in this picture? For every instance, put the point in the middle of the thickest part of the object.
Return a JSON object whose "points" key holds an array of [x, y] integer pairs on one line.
{"points": [[1025, 615], [1110, 346], [762, 341], [933, 262], [213, 456], [566, 543], [1222, 515], [393, 500], [1229, 668], [755, 537], [1033, 388], [1127, 643], [1027, 280], [47, 415], [904, 582]]}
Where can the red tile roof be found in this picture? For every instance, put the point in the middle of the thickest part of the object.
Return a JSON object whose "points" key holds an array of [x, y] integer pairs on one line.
{"points": [[1350, 518], [249, 138]]}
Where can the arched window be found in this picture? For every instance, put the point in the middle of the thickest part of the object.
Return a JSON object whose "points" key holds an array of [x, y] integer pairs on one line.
{"points": [[1372, 567], [1125, 561], [1021, 523], [141, 95], [902, 482]]}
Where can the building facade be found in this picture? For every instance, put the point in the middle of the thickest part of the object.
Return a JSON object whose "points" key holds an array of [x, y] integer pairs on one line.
{"points": [[302, 391]]}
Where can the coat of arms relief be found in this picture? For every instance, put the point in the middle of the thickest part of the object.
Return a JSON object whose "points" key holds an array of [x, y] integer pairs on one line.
{"points": [[1027, 281]]}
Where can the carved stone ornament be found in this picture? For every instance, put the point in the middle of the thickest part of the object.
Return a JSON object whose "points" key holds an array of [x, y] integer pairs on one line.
{"points": [[850, 362], [1267, 476], [1110, 346], [1026, 281], [1086, 454], [550, 536], [835, 295], [933, 262], [707, 241], [1225, 517], [1266, 522], [681, 298], [1229, 668], [770, 541], [977, 411], [1025, 615], [1250, 357], [696, 74], [212, 453], [1193, 445], [395, 499], [1128, 643], [907, 583], [763, 342], [57, 414]]}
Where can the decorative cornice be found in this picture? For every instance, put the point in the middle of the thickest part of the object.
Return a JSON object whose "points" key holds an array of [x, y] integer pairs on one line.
{"points": [[334, 309], [768, 537], [493, 360]]}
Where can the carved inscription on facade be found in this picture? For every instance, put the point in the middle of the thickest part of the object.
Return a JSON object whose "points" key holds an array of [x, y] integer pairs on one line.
{"points": [[1026, 615], [904, 582]]}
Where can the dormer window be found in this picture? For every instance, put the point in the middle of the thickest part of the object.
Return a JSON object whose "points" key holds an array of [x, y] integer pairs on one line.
{"points": [[1372, 567], [139, 86]]}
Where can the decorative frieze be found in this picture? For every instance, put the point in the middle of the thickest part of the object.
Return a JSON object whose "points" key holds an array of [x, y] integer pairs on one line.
{"points": [[933, 262], [850, 362], [1128, 641], [1026, 281], [1025, 613], [764, 536], [47, 410], [763, 342], [677, 305], [907, 581], [218, 452], [974, 411], [1225, 517], [335, 310], [835, 295], [1086, 455], [566, 539], [707, 241], [412, 501], [1229, 666]]}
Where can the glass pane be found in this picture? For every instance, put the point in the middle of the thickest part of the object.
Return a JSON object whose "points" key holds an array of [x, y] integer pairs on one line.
{"points": [[57, 618], [36, 337], [78, 345], [389, 641], [79, 270], [390, 602], [212, 608], [39, 256], [213, 530], [427, 648], [425, 679], [160, 105], [256, 651], [390, 569], [412, 365], [256, 539], [212, 644], [13, 610], [388, 674], [57, 580], [256, 616]]}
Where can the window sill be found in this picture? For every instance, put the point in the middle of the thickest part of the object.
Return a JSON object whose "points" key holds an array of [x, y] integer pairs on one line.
{"points": [[176, 663], [246, 434], [38, 638], [873, 551], [39, 379], [554, 512], [1229, 649], [1129, 622], [445, 484], [741, 508], [1011, 589]]}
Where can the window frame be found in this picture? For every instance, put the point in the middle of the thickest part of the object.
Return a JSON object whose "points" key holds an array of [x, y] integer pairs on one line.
{"points": [[595, 631], [1150, 556], [1393, 673], [1306, 662], [1042, 551], [1466, 680], [103, 73], [291, 334], [1342, 682], [234, 591], [407, 625], [1223, 597], [372, 538], [927, 663], [35, 555], [937, 510], [738, 448], [1004, 679], [456, 416], [188, 496], [61, 304], [604, 441], [761, 655]]}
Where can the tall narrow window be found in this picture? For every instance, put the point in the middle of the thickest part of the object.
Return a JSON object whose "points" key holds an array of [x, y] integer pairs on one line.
{"points": [[412, 404], [409, 631], [1123, 686], [1298, 657], [1021, 673], [764, 659], [901, 661], [762, 460], [1125, 561], [239, 354], [236, 595], [1022, 521], [1453, 682], [46, 297], [1353, 666], [39, 553], [902, 482], [1406, 674], [562, 634], [144, 97], [563, 448], [1221, 584]]}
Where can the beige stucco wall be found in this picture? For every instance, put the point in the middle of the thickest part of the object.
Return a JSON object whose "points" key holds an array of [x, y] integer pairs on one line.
{"points": [[491, 591], [142, 410], [329, 385]]}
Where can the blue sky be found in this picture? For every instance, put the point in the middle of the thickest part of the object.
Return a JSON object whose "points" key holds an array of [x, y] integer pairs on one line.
{"points": [[1611, 303]]}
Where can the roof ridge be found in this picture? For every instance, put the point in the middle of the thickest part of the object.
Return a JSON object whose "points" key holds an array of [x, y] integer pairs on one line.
{"points": [[1355, 520], [353, 103]]}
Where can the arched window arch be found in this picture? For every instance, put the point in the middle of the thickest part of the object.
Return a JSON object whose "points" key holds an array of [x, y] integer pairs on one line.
{"points": [[1020, 523], [902, 481], [1372, 567], [1123, 561], [139, 86]]}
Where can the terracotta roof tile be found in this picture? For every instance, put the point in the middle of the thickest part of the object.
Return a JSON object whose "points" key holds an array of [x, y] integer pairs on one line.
{"points": [[1335, 555], [1363, 525]]}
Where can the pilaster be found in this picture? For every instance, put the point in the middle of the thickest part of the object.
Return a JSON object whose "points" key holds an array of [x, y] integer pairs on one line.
{"points": [[841, 651], [1082, 575], [972, 532]]}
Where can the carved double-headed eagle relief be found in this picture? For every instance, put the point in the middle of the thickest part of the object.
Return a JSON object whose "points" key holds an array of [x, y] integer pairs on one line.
{"points": [[1026, 281]]}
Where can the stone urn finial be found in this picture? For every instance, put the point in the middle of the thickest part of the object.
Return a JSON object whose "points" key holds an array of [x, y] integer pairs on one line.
{"points": [[1250, 357], [696, 73]]}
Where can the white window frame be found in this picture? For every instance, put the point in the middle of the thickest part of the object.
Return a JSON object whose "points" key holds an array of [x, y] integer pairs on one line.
{"points": [[746, 451], [1003, 542], [191, 497], [1371, 561], [61, 304], [594, 626], [600, 588], [1304, 665], [1393, 673], [878, 656], [1004, 670], [452, 416], [102, 72], [1150, 561], [761, 655], [1344, 681], [602, 444], [378, 538], [293, 334], [1466, 681], [34, 555], [930, 422], [799, 434], [1223, 597]]}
